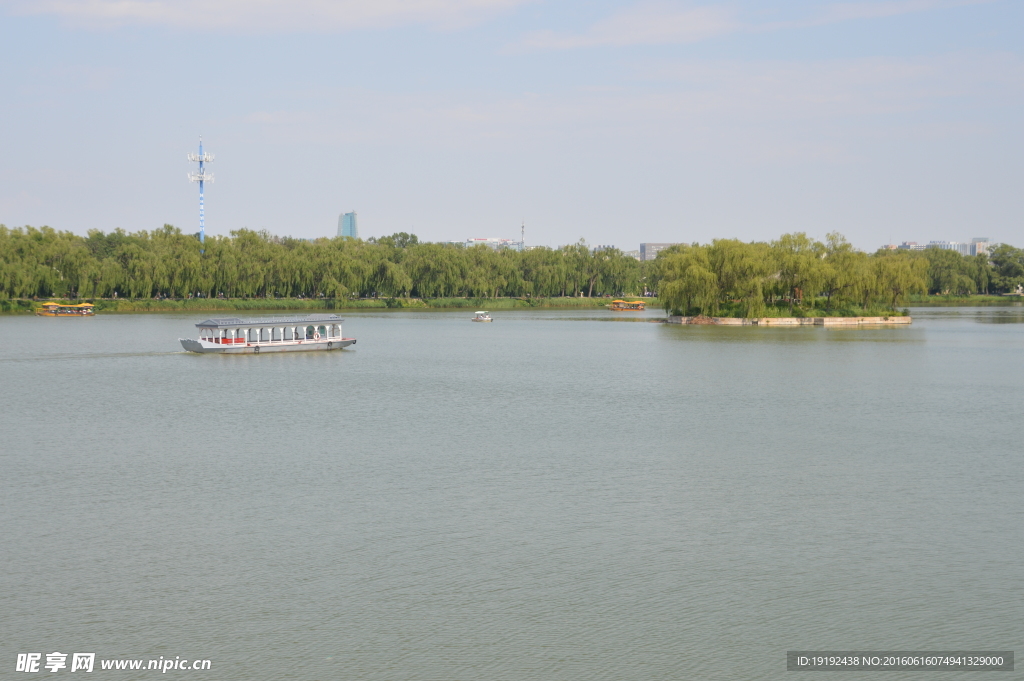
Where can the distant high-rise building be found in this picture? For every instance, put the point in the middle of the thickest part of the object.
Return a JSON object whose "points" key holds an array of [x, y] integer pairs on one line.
{"points": [[496, 244], [650, 251], [348, 226], [978, 246], [910, 246], [962, 249]]}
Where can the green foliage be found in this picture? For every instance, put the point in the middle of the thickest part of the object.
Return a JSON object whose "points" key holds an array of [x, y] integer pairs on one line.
{"points": [[950, 273], [168, 264], [748, 279], [108, 305], [396, 240], [1008, 268], [794, 276]]}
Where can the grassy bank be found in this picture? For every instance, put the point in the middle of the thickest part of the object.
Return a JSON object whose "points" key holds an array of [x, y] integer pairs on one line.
{"points": [[779, 310], [192, 305], [817, 308], [122, 305], [964, 301], [511, 303]]}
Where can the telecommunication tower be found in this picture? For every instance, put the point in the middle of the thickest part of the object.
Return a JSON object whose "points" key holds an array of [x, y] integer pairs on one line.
{"points": [[201, 176]]}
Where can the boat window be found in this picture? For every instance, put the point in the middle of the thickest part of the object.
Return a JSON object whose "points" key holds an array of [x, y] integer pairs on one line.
{"points": [[309, 332], [323, 331]]}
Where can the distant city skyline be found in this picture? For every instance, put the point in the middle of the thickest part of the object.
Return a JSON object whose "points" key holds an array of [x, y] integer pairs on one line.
{"points": [[976, 246], [493, 242], [649, 251]]}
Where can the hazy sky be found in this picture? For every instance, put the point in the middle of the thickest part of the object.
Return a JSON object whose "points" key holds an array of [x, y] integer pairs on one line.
{"points": [[616, 121]]}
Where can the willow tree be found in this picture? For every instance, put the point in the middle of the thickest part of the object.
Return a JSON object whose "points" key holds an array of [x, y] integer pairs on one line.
{"points": [[1008, 265], [431, 268], [799, 262], [743, 271], [843, 270], [544, 271], [897, 274], [688, 281]]}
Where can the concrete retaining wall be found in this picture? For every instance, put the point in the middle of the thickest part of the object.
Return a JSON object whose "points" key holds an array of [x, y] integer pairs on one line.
{"points": [[789, 321]]}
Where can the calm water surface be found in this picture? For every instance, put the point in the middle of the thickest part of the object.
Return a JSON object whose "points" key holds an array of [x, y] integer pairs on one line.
{"points": [[551, 496]]}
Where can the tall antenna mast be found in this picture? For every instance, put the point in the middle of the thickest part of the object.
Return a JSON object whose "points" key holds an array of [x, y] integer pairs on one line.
{"points": [[522, 236], [201, 176]]}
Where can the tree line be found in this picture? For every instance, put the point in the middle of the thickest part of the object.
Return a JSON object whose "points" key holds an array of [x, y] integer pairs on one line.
{"points": [[801, 275], [794, 271], [167, 263]]}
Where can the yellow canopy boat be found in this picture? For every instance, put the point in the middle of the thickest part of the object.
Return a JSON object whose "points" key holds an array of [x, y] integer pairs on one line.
{"points": [[625, 305], [65, 310]]}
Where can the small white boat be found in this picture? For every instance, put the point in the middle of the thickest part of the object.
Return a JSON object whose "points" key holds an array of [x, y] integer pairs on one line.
{"points": [[269, 334], [482, 316]]}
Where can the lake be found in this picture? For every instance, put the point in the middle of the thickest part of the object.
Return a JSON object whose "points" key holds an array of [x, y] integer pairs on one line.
{"points": [[562, 494]]}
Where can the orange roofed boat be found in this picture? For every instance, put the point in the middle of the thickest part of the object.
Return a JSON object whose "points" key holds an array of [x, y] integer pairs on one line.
{"points": [[65, 310], [625, 305]]}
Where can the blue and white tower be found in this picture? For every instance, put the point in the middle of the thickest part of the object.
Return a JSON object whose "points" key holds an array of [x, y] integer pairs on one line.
{"points": [[201, 176], [348, 225]]}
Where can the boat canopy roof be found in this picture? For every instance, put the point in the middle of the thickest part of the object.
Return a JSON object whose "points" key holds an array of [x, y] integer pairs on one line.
{"points": [[481, 311], [236, 322], [53, 304]]}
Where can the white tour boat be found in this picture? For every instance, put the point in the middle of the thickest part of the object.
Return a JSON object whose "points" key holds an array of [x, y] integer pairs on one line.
{"points": [[269, 334], [482, 316]]}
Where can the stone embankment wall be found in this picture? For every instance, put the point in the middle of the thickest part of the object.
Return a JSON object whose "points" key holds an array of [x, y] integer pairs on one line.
{"points": [[789, 321]]}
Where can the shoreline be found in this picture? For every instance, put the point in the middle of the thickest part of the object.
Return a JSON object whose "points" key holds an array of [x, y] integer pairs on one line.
{"points": [[203, 305], [964, 301], [790, 321]]}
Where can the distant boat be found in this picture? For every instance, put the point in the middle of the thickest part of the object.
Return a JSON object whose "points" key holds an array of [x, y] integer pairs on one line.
{"points": [[482, 316], [626, 306], [298, 333], [63, 310]]}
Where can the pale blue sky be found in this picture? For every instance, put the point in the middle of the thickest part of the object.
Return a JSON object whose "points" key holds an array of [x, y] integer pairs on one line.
{"points": [[616, 121]]}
